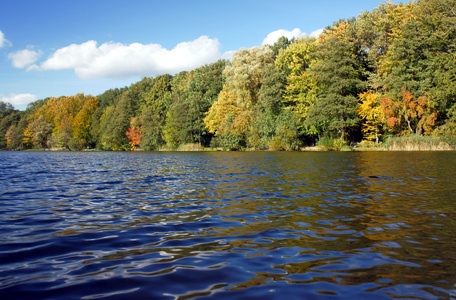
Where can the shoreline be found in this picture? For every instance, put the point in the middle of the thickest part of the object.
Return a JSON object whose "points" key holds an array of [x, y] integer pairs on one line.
{"points": [[306, 149]]}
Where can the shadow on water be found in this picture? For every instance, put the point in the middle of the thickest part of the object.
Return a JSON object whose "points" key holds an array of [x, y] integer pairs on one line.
{"points": [[271, 225]]}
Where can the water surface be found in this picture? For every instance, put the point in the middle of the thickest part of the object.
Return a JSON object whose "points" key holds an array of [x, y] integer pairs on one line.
{"points": [[255, 225]]}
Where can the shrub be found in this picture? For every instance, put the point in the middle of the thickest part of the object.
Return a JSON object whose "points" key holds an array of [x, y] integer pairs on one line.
{"points": [[329, 143]]}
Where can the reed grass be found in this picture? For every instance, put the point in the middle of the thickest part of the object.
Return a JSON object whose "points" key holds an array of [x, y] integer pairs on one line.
{"points": [[189, 147], [420, 143]]}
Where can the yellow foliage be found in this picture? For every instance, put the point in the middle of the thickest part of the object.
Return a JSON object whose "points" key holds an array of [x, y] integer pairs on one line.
{"points": [[224, 106], [297, 57], [301, 89], [300, 93], [337, 31], [27, 140], [393, 24], [82, 120], [373, 115]]}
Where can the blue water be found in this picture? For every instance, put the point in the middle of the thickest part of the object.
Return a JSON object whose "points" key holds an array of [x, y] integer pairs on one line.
{"points": [[255, 225]]}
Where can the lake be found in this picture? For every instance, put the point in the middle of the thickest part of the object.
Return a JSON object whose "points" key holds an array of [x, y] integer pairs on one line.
{"points": [[228, 225]]}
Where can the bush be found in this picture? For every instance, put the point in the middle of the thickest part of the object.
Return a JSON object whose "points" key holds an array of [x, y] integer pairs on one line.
{"points": [[335, 144]]}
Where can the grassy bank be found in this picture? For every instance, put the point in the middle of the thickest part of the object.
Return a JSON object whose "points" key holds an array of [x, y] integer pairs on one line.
{"points": [[403, 143], [420, 143]]}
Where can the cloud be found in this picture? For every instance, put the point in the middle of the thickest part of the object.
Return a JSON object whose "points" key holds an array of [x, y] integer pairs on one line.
{"points": [[3, 42], [295, 33], [19, 99], [117, 60], [23, 58], [228, 54], [275, 35], [316, 33]]}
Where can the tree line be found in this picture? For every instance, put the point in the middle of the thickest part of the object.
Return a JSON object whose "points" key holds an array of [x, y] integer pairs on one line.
{"points": [[388, 72]]}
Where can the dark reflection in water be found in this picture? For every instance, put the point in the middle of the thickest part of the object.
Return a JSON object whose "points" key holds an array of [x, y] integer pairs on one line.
{"points": [[269, 225]]}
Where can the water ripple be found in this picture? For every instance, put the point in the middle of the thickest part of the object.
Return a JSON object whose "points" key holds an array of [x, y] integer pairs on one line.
{"points": [[263, 225]]}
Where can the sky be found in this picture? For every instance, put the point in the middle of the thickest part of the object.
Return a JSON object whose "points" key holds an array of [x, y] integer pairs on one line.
{"points": [[52, 48]]}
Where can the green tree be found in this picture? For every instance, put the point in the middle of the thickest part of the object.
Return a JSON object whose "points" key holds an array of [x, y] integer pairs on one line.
{"points": [[282, 43], [152, 136], [263, 122], [109, 98], [115, 123], [8, 117], [340, 74], [375, 31], [177, 126], [4, 107], [153, 112], [191, 100]]}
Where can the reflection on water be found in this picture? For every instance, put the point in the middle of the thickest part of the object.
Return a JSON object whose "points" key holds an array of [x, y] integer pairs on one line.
{"points": [[250, 225]]}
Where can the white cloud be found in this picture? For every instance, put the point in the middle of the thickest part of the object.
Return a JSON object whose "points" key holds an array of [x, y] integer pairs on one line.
{"points": [[23, 58], [117, 60], [316, 33], [295, 33], [228, 54], [19, 99], [275, 35], [3, 42]]}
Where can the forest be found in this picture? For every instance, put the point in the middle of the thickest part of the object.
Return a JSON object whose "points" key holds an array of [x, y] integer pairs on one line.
{"points": [[387, 72]]}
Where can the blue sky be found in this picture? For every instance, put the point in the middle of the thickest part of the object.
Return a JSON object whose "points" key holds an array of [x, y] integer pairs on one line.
{"points": [[52, 48]]}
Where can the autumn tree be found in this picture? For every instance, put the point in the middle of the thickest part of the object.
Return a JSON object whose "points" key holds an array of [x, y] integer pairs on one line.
{"points": [[134, 134], [39, 131], [226, 121], [409, 114], [230, 116], [373, 115], [82, 122], [301, 87], [420, 63], [71, 120]]}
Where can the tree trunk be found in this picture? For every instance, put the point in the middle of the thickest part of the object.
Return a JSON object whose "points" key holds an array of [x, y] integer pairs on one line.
{"points": [[409, 126], [376, 134]]}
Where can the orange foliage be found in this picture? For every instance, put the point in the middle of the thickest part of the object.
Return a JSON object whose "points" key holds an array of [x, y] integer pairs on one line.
{"points": [[134, 137], [419, 115]]}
